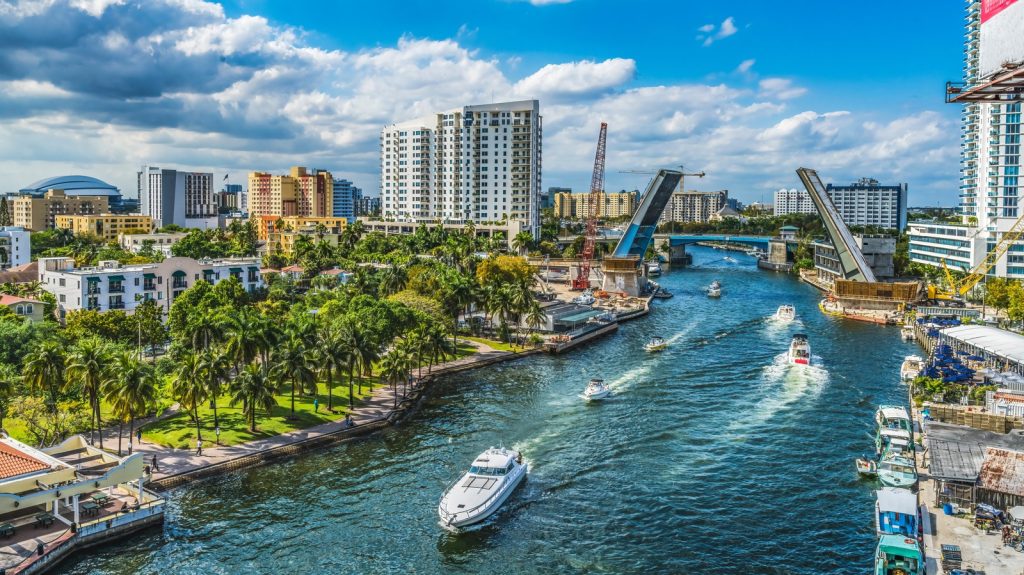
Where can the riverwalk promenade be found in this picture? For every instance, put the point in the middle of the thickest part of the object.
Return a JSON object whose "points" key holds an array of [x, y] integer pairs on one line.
{"points": [[176, 466]]}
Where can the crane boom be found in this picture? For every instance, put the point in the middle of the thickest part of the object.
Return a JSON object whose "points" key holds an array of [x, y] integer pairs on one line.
{"points": [[978, 273], [596, 188]]}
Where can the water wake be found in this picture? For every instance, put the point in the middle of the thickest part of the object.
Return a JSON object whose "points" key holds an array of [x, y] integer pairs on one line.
{"points": [[786, 385]]}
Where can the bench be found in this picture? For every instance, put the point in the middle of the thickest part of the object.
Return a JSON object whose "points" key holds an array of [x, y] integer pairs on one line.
{"points": [[100, 498], [90, 508], [6, 530], [43, 520]]}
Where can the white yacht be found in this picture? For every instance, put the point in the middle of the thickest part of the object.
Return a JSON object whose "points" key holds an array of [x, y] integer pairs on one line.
{"points": [[907, 333], [596, 389], [493, 476], [653, 268], [585, 298], [715, 289], [911, 367], [656, 343], [800, 350], [785, 313]]}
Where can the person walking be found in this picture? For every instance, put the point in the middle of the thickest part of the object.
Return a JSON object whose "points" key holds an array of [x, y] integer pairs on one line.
{"points": [[216, 431], [155, 466], [199, 447], [138, 436], [316, 405]]}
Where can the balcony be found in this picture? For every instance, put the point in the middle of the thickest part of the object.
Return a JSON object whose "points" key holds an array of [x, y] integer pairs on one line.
{"points": [[115, 288]]}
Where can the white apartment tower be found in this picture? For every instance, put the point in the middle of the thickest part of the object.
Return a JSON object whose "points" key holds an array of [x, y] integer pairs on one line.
{"points": [[475, 163], [793, 201], [173, 197]]}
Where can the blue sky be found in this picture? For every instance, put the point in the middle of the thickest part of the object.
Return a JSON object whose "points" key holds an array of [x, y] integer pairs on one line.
{"points": [[748, 91]]}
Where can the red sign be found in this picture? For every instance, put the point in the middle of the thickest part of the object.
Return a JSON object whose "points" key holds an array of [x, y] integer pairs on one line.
{"points": [[990, 8]]}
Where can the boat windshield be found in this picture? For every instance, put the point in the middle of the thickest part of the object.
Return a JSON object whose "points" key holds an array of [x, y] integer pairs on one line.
{"points": [[481, 470], [897, 467], [896, 563]]}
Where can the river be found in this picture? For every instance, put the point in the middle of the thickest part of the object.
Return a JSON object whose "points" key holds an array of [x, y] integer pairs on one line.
{"points": [[711, 457]]}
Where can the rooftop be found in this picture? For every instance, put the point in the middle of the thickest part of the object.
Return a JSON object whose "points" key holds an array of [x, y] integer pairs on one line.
{"points": [[894, 499], [13, 299], [991, 339], [1002, 471], [956, 452], [16, 461], [72, 186]]}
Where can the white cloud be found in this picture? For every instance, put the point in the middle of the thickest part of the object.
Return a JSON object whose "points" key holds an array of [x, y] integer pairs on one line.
{"points": [[576, 78], [780, 89], [745, 66], [726, 29], [94, 8], [706, 28]]}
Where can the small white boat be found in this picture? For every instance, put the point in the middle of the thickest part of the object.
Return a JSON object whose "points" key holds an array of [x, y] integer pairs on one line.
{"points": [[585, 298], [895, 470], [907, 333], [785, 313], [715, 285], [911, 367], [653, 269], [493, 476], [655, 344], [799, 350], [714, 292], [596, 389]]}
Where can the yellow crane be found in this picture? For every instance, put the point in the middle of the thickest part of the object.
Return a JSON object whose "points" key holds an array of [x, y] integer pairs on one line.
{"points": [[958, 288]]}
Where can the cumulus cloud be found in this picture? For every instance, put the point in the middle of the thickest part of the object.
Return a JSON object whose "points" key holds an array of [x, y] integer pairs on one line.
{"points": [[709, 36], [100, 87]]}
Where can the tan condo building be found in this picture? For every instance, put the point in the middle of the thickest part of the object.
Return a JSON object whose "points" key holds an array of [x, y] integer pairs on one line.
{"points": [[105, 226], [694, 206], [611, 205], [305, 193], [40, 213]]}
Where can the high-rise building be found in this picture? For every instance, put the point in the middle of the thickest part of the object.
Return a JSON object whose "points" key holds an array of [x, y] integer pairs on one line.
{"points": [[475, 163], [305, 193], [367, 206], [547, 199], [693, 206], [40, 213], [15, 247], [793, 201], [346, 199], [867, 203], [170, 197], [989, 175], [610, 204]]}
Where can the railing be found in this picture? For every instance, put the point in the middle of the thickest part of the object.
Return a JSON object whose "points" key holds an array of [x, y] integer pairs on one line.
{"points": [[115, 289]]}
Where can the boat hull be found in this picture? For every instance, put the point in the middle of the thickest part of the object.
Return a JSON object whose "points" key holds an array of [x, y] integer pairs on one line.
{"points": [[595, 396], [653, 348], [488, 510]]}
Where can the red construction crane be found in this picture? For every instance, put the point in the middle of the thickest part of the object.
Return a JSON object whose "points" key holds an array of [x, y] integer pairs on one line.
{"points": [[582, 280]]}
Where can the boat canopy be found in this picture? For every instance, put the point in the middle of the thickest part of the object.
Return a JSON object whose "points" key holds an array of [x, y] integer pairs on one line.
{"points": [[894, 413], [899, 545], [896, 500]]}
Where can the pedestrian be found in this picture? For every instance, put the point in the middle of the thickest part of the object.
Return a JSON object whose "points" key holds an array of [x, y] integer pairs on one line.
{"points": [[138, 436], [316, 405], [348, 420], [199, 447], [216, 431], [155, 466]]}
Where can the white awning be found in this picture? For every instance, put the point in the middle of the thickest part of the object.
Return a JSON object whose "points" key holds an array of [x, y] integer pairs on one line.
{"points": [[992, 340], [895, 500]]}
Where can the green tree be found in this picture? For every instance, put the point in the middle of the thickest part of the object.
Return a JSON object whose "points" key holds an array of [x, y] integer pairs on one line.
{"points": [[130, 391], [5, 214], [44, 369], [148, 322], [87, 368], [216, 367], [253, 389], [293, 365], [395, 367], [332, 356], [190, 388], [9, 382], [522, 242]]}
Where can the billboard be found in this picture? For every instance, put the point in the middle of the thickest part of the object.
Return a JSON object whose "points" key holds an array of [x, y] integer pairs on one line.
{"points": [[1001, 24]]}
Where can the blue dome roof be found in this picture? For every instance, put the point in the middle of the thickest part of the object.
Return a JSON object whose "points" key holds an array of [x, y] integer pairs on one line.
{"points": [[72, 186]]}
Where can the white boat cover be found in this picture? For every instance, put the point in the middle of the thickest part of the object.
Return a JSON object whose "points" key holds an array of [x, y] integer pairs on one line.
{"points": [[896, 500]]}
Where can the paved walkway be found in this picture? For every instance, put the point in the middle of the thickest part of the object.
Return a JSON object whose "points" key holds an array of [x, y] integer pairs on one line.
{"points": [[378, 406]]}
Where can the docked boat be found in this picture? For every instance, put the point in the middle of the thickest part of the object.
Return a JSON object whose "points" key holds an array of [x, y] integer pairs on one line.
{"points": [[898, 555], [894, 417], [653, 269], [494, 475], [585, 298], [895, 470], [596, 389], [907, 333], [656, 343], [896, 512], [785, 312], [911, 367], [889, 440], [799, 350]]}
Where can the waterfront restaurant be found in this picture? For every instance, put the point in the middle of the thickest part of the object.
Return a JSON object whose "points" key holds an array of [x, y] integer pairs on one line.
{"points": [[999, 348], [70, 495]]}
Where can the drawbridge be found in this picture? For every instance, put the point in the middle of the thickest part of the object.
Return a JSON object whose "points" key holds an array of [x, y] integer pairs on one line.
{"points": [[851, 260]]}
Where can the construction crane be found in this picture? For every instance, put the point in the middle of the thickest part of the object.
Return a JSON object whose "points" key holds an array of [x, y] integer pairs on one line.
{"points": [[582, 280], [682, 169], [959, 288]]}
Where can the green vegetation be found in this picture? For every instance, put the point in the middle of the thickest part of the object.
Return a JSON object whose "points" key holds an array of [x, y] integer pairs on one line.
{"points": [[252, 365]]}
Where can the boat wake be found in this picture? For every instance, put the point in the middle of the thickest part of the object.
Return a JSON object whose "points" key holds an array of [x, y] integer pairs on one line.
{"points": [[786, 385]]}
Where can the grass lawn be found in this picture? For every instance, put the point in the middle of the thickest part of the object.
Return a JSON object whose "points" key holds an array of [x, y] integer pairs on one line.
{"points": [[179, 431], [498, 345]]}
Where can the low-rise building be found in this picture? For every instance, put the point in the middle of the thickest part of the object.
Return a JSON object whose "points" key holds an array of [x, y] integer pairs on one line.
{"points": [[158, 241], [38, 213], [24, 307], [15, 247], [505, 230], [610, 204], [105, 226], [112, 286], [270, 225]]}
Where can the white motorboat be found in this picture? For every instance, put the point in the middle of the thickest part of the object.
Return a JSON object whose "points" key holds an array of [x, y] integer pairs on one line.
{"points": [[596, 389], [653, 268], [907, 333], [585, 298], [714, 292], [655, 344], [799, 350], [911, 367], [785, 312], [493, 476], [715, 285]]}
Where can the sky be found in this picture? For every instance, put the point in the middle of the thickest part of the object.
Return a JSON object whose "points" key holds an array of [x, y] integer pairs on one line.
{"points": [[747, 91]]}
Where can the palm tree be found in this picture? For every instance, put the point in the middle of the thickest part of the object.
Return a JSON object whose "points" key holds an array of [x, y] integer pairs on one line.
{"points": [[44, 369], [9, 380], [457, 293], [395, 367], [362, 353], [252, 388], [130, 391], [190, 387], [207, 330], [522, 242], [393, 280], [245, 338], [438, 346], [333, 356], [293, 364], [535, 316], [216, 368], [87, 367]]}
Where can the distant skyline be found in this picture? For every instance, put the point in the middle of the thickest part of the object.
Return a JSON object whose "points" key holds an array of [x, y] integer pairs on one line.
{"points": [[748, 91]]}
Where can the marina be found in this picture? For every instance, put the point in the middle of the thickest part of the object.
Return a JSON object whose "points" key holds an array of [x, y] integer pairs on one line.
{"points": [[661, 433]]}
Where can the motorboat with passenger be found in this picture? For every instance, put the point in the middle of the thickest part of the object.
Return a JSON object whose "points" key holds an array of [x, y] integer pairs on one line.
{"points": [[911, 367], [656, 343], [785, 312], [596, 389], [907, 333], [799, 350], [476, 495], [898, 555]]}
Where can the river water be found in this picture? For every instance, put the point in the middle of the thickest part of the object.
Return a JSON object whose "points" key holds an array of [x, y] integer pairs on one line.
{"points": [[711, 457]]}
